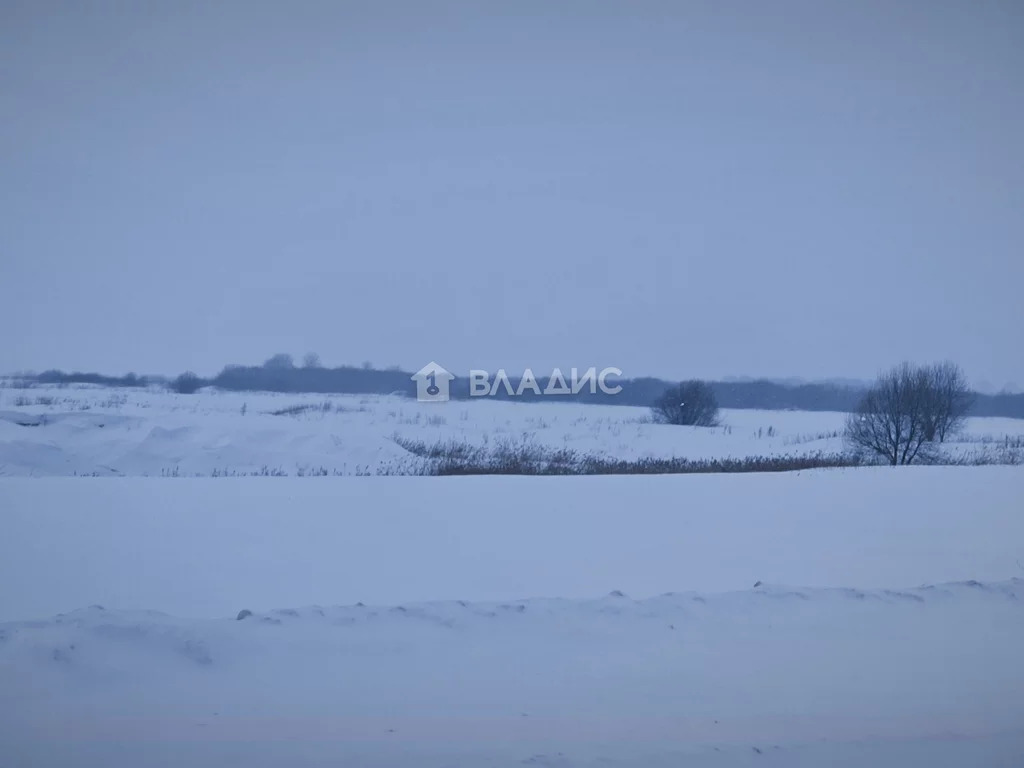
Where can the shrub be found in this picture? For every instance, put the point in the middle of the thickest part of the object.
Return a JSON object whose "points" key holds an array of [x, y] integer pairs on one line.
{"points": [[187, 383], [691, 403]]}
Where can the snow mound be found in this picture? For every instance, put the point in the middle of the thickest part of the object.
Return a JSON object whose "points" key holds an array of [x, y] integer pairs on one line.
{"points": [[771, 675]]}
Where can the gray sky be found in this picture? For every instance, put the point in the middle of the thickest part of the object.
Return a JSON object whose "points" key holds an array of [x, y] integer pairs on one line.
{"points": [[674, 188]]}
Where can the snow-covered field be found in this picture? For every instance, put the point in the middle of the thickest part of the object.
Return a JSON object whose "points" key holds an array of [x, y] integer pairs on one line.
{"points": [[208, 547], [91, 430], [774, 676], [857, 617], [843, 655]]}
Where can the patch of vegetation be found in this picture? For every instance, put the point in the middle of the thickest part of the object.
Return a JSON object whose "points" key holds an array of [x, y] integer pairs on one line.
{"points": [[524, 457], [300, 408]]}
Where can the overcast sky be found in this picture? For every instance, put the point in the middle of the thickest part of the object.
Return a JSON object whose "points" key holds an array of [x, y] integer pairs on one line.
{"points": [[675, 188]]}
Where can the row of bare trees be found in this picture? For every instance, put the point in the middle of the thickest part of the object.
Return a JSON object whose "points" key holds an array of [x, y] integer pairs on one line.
{"points": [[908, 410]]}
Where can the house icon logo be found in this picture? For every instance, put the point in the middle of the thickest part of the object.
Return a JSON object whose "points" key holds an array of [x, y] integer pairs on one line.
{"points": [[432, 382]]}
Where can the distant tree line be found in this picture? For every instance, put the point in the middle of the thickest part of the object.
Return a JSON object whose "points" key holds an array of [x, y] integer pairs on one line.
{"points": [[280, 374], [59, 377]]}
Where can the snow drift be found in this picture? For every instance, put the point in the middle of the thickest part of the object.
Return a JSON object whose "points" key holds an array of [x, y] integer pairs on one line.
{"points": [[765, 676]]}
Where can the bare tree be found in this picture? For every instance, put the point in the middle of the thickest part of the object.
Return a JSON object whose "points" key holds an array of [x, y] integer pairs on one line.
{"points": [[893, 418], [951, 400], [691, 403], [311, 360]]}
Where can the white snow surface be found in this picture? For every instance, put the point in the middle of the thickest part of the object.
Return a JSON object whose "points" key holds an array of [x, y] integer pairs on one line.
{"points": [[717, 672], [773, 675], [46, 431], [208, 547], [859, 617]]}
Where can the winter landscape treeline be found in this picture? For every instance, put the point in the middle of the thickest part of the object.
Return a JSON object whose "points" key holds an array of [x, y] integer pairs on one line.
{"points": [[281, 374]]}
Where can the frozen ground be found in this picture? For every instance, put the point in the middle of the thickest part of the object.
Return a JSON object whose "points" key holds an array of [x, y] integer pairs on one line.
{"points": [[771, 676], [718, 673], [47, 431], [569, 622], [208, 547]]}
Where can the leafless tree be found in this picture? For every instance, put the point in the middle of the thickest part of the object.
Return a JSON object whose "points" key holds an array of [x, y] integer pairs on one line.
{"points": [[311, 360], [691, 403], [893, 418], [951, 400]]}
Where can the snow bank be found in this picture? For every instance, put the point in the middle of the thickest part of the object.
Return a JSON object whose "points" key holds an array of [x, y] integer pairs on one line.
{"points": [[765, 676]]}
